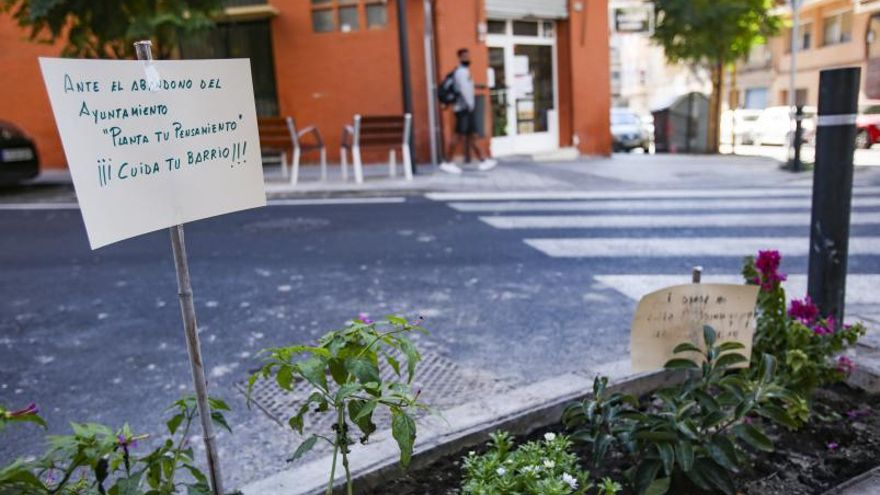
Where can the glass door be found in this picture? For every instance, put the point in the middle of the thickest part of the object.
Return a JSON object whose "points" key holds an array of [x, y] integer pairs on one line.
{"points": [[522, 86]]}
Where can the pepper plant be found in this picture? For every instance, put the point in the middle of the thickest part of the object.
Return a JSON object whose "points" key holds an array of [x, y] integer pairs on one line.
{"points": [[97, 459], [702, 430], [343, 373]]}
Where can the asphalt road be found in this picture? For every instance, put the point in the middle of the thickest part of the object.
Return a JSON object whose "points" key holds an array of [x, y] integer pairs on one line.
{"points": [[518, 287]]}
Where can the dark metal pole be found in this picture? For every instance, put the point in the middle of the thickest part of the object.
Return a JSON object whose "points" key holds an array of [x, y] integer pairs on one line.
{"points": [[798, 138], [405, 81], [832, 189]]}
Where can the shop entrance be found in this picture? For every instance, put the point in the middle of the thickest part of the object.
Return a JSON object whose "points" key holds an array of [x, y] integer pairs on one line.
{"points": [[522, 86]]}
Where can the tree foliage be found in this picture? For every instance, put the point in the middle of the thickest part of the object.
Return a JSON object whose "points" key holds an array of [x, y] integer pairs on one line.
{"points": [[107, 28], [713, 31]]}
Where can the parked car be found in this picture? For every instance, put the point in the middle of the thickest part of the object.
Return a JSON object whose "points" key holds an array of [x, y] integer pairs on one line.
{"points": [[18, 155], [774, 125], [868, 127], [629, 131], [740, 125]]}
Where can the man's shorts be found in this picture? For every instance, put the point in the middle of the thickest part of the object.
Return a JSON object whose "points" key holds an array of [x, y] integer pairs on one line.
{"points": [[465, 122]]}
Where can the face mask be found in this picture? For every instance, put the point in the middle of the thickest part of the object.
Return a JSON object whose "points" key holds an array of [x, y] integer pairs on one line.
{"points": [[466, 63]]}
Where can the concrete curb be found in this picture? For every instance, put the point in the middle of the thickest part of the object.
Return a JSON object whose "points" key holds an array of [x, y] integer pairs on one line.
{"points": [[867, 483], [519, 411]]}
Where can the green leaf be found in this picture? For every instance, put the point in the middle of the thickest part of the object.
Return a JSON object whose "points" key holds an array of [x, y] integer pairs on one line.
{"points": [[364, 369], [174, 423], [768, 368], [707, 402], [667, 456], [412, 356], [645, 474], [730, 346], [403, 429], [346, 390], [303, 448], [729, 360], [709, 336], [361, 412], [723, 452], [686, 347], [218, 419], [656, 436], [778, 415], [218, 404], [680, 363], [394, 363], [600, 448], [715, 476], [753, 436], [284, 378], [684, 452], [659, 487], [314, 370]]}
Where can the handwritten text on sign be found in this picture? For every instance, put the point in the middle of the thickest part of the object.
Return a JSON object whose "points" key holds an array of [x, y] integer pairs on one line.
{"points": [[156, 144], [677, 314]]}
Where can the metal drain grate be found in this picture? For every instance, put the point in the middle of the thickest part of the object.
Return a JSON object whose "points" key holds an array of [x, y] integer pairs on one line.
{"points": [[443, 383]]}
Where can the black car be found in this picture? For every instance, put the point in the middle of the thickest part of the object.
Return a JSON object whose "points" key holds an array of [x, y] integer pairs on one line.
{"points": [[18, 155]]}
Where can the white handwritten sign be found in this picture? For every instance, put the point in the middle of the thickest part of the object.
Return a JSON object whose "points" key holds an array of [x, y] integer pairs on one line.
{"points": [[673, 315], [156, 144]]}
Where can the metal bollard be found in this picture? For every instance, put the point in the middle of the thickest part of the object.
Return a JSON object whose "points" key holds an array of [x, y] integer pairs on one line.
{"points": [[796, 165], [832, 189]]}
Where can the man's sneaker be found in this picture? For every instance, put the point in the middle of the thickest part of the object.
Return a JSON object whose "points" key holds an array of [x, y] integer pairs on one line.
{"points": [[487, 164], [450, 168]]}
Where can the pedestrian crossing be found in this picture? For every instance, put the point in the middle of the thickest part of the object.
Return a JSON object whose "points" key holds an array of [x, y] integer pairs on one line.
{"points": [[663, 225]]}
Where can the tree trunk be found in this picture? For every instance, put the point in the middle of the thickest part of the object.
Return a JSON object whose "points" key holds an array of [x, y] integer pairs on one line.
{"points": [[715, 107]]}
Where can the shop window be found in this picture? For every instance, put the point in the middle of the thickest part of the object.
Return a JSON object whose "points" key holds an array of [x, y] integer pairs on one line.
{"points": [[497, 27], [525, 28], [348, 18], [377, 15], [345, 15], [322, 21], [837, 28]]}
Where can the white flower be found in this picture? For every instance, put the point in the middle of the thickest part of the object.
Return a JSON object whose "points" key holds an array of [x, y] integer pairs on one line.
{"points": [[472, 453], [501, 471], [569, 479], [549, 464], [550, 436], [530, 469]]}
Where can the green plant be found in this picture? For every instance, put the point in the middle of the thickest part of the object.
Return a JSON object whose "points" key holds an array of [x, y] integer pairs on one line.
{"points": [[600, 417], [803, 342], [698, 430], [29, 414], [96, 459], [351, 357], [545, 467]]}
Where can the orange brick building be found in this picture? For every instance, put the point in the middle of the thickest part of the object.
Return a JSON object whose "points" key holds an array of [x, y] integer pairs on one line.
{"points": [[545, 64]]}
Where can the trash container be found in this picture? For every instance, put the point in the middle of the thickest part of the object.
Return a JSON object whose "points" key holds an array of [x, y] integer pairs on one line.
{"points": [[681, 124]]}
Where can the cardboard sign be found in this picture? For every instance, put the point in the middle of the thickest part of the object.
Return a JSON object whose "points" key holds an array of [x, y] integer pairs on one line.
{"points": [[156, 144], [677, 314]]}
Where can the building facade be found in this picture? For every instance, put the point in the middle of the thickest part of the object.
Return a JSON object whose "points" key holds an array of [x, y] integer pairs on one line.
{"points": [[544, 65], [832, 34]]}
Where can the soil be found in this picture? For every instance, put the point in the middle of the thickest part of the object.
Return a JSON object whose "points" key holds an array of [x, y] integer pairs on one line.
{"points": [[842, 441]]}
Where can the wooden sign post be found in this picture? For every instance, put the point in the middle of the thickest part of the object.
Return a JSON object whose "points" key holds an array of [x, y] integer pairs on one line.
{"points": [[144, 52]]}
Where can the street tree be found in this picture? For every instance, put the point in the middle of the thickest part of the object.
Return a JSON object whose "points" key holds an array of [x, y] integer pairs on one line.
{"points": [[107, 28], [713, 34]]}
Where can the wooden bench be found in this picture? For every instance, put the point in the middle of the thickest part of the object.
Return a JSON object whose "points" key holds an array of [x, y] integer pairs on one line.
{"points": [[377, 131], [279, 135]]}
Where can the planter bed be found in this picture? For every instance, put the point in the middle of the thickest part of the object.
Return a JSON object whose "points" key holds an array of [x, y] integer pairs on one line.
{"points": [[821, 455]]}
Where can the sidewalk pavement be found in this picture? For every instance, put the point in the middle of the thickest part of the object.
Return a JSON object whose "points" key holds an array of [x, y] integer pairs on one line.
{"points": [[518, 173]]}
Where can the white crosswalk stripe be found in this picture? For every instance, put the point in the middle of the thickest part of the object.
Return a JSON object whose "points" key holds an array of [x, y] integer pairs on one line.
{"points": [[646, 204], [616, 247], [659, 221]]}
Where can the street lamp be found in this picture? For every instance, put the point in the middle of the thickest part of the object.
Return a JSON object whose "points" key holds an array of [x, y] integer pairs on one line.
{"points": [[792, 90]]}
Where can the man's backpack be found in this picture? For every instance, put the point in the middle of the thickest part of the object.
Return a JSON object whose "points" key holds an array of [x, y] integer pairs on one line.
{"points": [[446, 91]]}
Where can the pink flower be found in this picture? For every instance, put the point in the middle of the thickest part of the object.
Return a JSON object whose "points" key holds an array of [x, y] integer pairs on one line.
{"points": [[804, 310], [365, 318], [826, 327], [845, 365], [767, 264], [832, 445]]}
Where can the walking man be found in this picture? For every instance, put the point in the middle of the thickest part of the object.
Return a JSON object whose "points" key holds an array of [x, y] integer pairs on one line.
{"points": [[465, 118]]}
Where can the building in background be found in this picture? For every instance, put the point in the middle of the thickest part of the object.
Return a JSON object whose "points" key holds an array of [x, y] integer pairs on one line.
{"points": [[641, 77], [832, 34], [544, 64]]}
